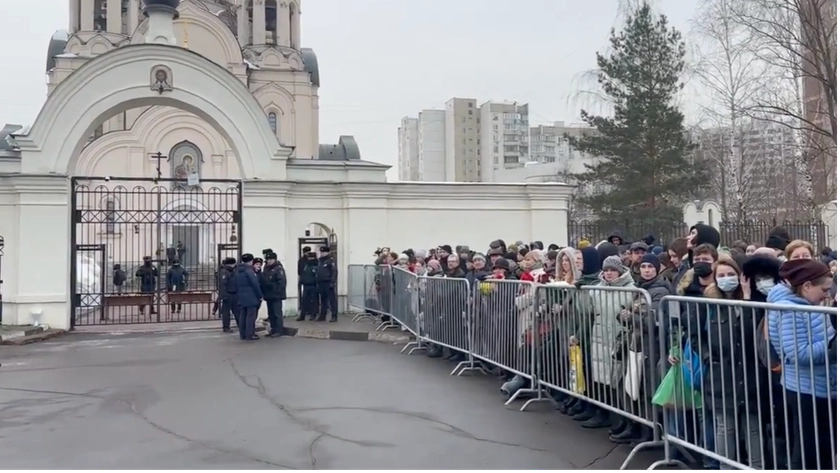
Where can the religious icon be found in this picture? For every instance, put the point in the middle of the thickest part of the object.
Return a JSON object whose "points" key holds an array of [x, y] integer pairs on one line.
{"points": [[161, 79], [186, 168]]}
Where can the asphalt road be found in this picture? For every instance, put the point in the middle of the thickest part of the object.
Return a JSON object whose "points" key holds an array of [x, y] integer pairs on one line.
{"points": [[206, 400]]}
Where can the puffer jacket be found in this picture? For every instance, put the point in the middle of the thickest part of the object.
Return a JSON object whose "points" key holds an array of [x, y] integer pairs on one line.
{"points": [[805, 342], [606, 329]]}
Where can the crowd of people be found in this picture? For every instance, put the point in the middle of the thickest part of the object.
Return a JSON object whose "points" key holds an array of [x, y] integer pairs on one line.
{"points": [[764, 377]]}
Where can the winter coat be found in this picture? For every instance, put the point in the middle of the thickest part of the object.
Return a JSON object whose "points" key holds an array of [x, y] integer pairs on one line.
{"points": [[607, 330], [730, 379], [176, 279], [227, 284], [308, 274], [805, 342], [326, 273], [119, 277], [644, 321], [477, 275], [248, 289], [273, 282], [148, 278]]}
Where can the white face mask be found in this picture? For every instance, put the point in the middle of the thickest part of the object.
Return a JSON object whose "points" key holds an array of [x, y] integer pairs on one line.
{"points": [[727, 283], [764, 285]]}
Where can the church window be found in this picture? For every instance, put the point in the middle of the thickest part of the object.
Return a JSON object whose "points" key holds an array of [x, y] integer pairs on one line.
{"points": [[272, 121], [110, 220]]}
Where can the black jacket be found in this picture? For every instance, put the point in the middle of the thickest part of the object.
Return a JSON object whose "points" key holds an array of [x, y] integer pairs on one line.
{"points": [[248, 291], [119, 277], [273, 282], [176, 279], [227, 284], [148, 278], [308, 275], [326, 273]]}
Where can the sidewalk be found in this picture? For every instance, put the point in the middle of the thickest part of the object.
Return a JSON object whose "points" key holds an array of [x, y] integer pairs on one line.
{"points": [[343, 329], [24, 334]]}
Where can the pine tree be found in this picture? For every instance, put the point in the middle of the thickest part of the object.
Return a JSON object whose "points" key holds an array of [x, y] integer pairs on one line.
{"points": [[645, 171]]}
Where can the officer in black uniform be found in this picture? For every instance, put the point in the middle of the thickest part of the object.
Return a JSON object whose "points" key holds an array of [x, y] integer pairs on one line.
{"points": [[273, 286], [148, 275], [309, 294], [326, 277], [227, 293]]}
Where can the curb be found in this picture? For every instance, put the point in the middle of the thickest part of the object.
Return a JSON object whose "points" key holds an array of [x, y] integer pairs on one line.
{"points": [[326, 334], [35, 336], [7, 337]]}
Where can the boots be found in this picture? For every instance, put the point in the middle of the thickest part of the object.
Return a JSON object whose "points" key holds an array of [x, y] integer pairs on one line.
{"points": [[626, 435], [515, 384], [586, 414], [600, 420], [300, 318], [619, 428], [576, 407]]}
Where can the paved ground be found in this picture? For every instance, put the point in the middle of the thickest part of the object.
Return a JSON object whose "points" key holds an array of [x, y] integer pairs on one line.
{"points": [[206, 400]]}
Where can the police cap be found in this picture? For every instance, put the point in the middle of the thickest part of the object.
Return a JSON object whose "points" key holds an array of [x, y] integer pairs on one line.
{"points": [[325, 249], [271, 255], [229, 261]]}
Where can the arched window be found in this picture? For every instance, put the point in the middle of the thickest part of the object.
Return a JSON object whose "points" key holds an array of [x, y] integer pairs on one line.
{"points": [[110, 207], [272, 121]]}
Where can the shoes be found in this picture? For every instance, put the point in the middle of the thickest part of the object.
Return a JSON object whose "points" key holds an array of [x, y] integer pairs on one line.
{"points": [[619, 428], [300, 318], [333, 319], [275, 335], [253, 337], [584, 415], [599, 421], [456, 357], [576, 408], [435, 353], [321, 318], [515, 384], [627, 435], [227, 330]]}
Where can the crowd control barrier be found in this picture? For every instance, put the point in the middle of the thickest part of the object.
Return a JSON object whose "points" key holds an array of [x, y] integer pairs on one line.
{"points": [[723, 383]]}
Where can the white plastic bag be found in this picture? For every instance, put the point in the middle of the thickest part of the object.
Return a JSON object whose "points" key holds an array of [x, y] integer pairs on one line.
{"points": [[633, 375]]}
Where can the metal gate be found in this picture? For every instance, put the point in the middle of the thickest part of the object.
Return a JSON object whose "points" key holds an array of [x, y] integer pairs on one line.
{"points": [[127, 235]]}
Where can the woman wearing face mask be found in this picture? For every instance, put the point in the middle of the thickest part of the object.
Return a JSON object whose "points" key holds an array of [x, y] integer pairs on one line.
{"points": [[730, 383], [806, 342]]}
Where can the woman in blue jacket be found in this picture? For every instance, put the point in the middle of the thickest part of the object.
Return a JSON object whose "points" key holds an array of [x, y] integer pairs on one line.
{"points": [[805, 340]]}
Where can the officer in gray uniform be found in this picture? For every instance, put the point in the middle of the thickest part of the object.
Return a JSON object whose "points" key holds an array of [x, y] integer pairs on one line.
{"points": [[326, 278]]}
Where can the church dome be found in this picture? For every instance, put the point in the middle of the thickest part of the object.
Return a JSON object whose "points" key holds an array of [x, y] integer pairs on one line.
{"points": [[163, 3]]}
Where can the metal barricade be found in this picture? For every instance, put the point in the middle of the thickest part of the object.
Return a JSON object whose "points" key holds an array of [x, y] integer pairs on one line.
{"points": [[445, 317], [365, 290], [599, 345], [749, 385], [402, 313]]}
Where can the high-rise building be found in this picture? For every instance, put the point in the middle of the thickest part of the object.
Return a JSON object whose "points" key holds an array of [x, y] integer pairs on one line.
{"points": [[461, 157], [408, 163], [431, 146], [504, 137], [819, 23]]}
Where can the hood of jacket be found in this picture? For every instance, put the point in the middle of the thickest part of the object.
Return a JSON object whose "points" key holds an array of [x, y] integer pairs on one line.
{"points": [[624, 280], [591, 261], [569, 253], [685, 282], [706, 234]]}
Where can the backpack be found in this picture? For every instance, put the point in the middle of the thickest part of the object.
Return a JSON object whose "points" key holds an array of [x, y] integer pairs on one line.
{"points": [[767, 355]]}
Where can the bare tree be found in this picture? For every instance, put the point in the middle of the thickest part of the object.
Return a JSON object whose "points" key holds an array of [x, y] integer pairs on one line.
{"points": [[796, 40], [731, 72]]}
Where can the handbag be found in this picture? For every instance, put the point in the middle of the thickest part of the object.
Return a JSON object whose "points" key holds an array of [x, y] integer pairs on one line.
{"points": [[633, 375]]}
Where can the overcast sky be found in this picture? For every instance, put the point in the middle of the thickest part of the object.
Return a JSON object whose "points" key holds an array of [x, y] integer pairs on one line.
{"points": [[381, 60]]}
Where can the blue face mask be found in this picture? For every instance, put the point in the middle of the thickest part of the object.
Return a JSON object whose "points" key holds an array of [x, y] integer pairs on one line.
{"points": [[764, 285], [727, 283]]}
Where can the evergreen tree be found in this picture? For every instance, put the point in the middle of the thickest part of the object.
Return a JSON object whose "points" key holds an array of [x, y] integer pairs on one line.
{"points": [[645, 171]]}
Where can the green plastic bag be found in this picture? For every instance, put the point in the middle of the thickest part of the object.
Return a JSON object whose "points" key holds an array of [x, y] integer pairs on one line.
{"points": [[674, 393]]}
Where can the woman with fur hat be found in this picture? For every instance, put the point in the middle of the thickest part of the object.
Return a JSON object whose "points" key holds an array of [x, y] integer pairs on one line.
{"points": [[806, 342]]}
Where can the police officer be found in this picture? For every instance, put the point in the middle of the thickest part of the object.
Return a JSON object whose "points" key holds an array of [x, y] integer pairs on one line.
{"points": [[273, 285], [227, 293], [249, 296], [301, 265], [309, 293], [147, 274], [326, 276], [176, 281]]}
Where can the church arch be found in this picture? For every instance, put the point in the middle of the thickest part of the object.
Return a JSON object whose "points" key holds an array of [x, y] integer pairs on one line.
{"points": [[119, 81]]}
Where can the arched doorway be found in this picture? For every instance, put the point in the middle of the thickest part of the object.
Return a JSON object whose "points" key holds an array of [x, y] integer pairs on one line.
{"points": [[137, 222]]}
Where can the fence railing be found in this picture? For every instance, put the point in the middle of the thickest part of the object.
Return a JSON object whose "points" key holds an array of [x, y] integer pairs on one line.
{"points": [[737, 384]]}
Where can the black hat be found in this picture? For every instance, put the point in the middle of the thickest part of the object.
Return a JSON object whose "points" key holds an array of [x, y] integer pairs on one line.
{"points": [[446, 248], [267, 251], [271, 255], [247, 258], [258, 260], [307, 249], [502, 263], [147, 258], [653, 260], [229, 261], [325, 249], [176, 262]]}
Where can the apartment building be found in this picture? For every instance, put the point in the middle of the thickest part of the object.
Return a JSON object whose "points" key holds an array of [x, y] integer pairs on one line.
{"points": [[431, 146], [504, 138], [408, 162], [462, 141]]}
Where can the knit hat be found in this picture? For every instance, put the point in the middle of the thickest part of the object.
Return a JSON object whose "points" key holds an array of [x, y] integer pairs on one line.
{"points": [[614, 262], [799, 271], [446, 248], [777, 243], [583, 244], [656, 250], [653, 260], [479, 256]]}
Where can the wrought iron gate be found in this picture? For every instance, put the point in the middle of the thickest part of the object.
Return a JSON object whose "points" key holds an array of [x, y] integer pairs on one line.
{"points": [[127, 234]]}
